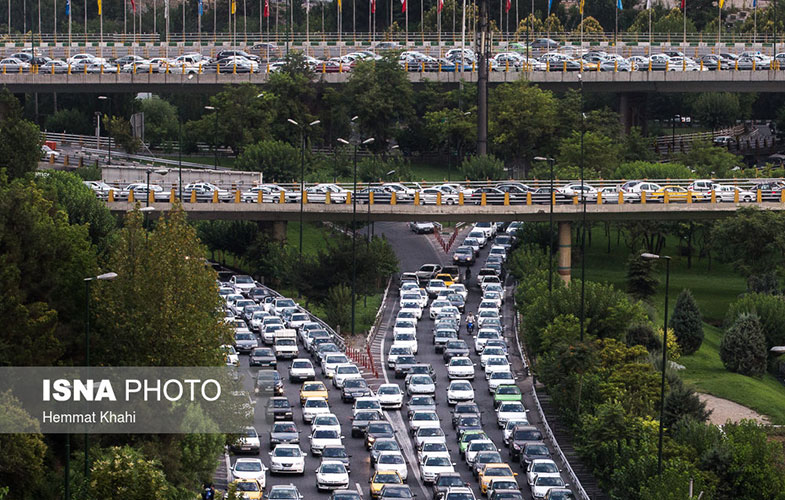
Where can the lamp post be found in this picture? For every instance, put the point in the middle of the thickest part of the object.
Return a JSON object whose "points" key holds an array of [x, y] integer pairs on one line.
{"points": [[356, 142], [673, 132], [215, 136], [550, 161], [583, 222], [101, 277], [109, 134], [664, 349], [302, 171], [180, 137], [159, 171]]}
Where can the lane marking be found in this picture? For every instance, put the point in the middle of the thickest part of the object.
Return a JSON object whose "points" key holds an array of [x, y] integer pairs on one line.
{"points": [[359, 490]]}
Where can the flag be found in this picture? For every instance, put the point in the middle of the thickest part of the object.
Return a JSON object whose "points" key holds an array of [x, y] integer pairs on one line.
{"points": [[234, 7], [133, 6], [266, 8], [683, 5], [339, 5], [100, 8], [619, 6], [549, 6], [581, 5], [373, 6], [722, 2], [509, 4], [648, 4], [67, 7], [755, 4], [440, 5], [201, 8], [403, 5]]}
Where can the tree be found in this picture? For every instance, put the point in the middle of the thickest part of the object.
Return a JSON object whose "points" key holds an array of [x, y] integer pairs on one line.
{"points": [[20, 140], [590, 25], [752, 241], [126, 471], [743, 347], [770, 311], [652, 170], [687, 323], [381, 96], [637, 147], [708, 160], [276, 160], [641, 284], [481, 168], [163, 300], [22, 461], [523, 120], [70, 121], [717, 109], [338, 307], [600, 154], [160, 120], [673, 22], [681, 402], [120, 130]]}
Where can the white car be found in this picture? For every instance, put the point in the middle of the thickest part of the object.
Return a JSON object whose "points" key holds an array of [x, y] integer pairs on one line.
{"points": [[407, 339], [286, 348], [420, 384], [242, 283], [429, 435], [479, 235], [232, 358], [482, 338], [402, 192], [459, 391], [366, 403], [496, 364], [314, 407], [322, 437], [405, 326], [392, 460], [728, 193], [390, 396], [432, 449], [543, 484], [510, 410], [437, 306], [543, 467], [487, 316], [488, 353], [500, 378], [430, 196], [460, 289], [435, 286], [301, 370], [460, 367], [477, 446], [331, 362], [344, 372], [432, 466], [332, 475], [250, 468], [423, 419], [396, 351], [287, 458], [326, 421], [410, 307], [414, 296], [495, 297]]}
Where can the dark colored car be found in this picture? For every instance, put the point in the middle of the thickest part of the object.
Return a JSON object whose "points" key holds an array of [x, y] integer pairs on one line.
{"points": [[534, 451], [522, 434], [445, 481], [284, 432], [422, 369], [354, 388], [464, 410], [485, 457], [268, 383], [362, 419], [278, 408], [396, 491], [381, 195], [769, 191], [257, 294], [338, 454], [419, 403], [468, 423], [263, 357], [378, 430], [493, 196], [506, 495], [441, 337], [346, 494], [544, 43], [240, 53], [403, 364], [455, 348], [463, 256]]}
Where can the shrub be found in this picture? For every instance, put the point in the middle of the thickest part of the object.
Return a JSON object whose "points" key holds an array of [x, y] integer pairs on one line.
{"points": [[480, 168], [769, 309], [687, 323], [743, 347], [640, 282], [645, 335]]}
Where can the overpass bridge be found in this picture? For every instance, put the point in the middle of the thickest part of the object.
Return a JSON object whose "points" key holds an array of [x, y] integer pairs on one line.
{"points": [[623, 83]]}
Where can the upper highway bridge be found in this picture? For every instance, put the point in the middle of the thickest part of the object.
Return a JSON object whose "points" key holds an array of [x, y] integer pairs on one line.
{"points": [[640, 82]]}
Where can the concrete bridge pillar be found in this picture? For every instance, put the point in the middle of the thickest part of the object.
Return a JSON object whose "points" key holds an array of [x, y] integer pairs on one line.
{"points": [[274, 229], [632, 111], [565, 251]]}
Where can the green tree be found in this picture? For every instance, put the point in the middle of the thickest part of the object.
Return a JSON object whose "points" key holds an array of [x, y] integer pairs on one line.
{"points": [[450, 129], [743, 347], [682, 401], [601, 154], [20, 140], [708, 160], [717, 109], [338, 307], [652, 170], [641, 283], [160, 120], [120, 130], [687, 323], [590, 25], [70, 121], [752, 241], [523, 119], [480, 168], [163, 300], [276, 160], [770, 311], [673, 22], [22, 464], [637, 147], [381, 97], [126, 471]]}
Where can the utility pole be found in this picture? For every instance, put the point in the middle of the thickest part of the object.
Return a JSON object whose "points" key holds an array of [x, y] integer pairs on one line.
{"points": [[482, 80]]}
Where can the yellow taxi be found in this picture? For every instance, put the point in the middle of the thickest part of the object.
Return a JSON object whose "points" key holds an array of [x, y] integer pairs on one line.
{"points": [[313, 389], [249, 489], [381, 478], [675, 194], [448, 279], [494, 471]]}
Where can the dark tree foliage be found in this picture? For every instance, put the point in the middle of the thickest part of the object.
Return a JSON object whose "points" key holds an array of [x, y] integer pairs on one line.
{"points": [[743, 347], [20, 140], [641, 282], [769, 309], [643, 334], [687, 323], [682, 402]]}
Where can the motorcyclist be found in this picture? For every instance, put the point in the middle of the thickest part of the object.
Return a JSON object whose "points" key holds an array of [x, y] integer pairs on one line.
{"points": [[470, 323]]}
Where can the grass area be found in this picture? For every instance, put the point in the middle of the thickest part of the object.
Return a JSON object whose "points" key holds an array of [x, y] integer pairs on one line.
{"points": [[766, 395], [714, 290], [366, 309], [433, 173], [313, 236]]}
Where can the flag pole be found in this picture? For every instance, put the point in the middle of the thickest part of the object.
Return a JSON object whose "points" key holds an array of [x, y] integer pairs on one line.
{"points": [[651, 40], [307, 26], [684, 12], [719, 23], [422, 15], [406, 12], [439, 25], [616, 31], [755, 22], [54, 25]]}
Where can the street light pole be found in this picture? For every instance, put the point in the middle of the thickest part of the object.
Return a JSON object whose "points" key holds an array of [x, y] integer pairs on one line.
{"points": [[108, 133], [583, 223], [664, 350], [550, 161], [302, 173], [101, 277], [215, 136]]}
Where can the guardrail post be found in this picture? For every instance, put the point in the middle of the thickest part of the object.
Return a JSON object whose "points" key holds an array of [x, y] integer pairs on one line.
{"points": [[328, 198], [66, 161], [51, 159], [393, 199], [236, 195], [131, 196], [758, 197], [782, 196], [643, 197], [507, 199], [439, 198], [528, 197], [193, 196], [416, 197], [282, 198], [713, 196], [689, 196], [599, 197], [621, 197], [370, 197], [665, 197], [151, 197], [460, 198], [110, 197], [575, 200], [735, 196], [215, 196], [259, 197], [553, 197], [171, 196], [483, 199]]}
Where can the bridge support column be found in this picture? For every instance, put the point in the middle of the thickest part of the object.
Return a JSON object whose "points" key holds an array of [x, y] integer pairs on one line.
{"points": [[632, 112], [274, 229], [565, 251]]}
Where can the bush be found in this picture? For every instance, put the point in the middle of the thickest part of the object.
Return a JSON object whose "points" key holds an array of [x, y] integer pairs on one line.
{"points": [[339, 308], [640, 282], [683, 402], [70, 121], [769, 309], [743, 347], [481, 168], [645, 335], [763, 283], [687, 323], [278, 161]]}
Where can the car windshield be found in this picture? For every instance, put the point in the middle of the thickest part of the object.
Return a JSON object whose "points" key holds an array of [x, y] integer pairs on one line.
{"points": [[302, 364], [347, 496], [507, 389], [317, 386], [347, 369], [528, 435], [355, 383], [460, 496], [333, 469], [336, 359], [422, 380], [387, 478], [390, 390], [548, 481], [501, 376], [316, 403], [248, 466], [244, 336], [489, 457], [326, 420], [334, 452], [453, 481], [461, 386], [287, 452], [391, 459], [507, 495], [545, 467], [484, 446], [381, 427], [508, 407], [437, 462], [470, 422], [285, 427], [537, 449], [430, 432], [392, 492], [498, 471], [280, 403], [434, 447], [386, 445], [425, 415], [282, 493], [247, 486]]}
